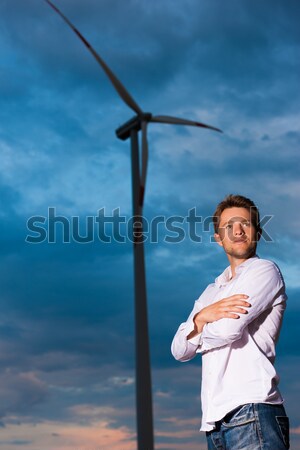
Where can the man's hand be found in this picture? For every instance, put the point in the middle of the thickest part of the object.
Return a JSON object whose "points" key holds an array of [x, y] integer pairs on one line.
{"points": [[225, 308]]}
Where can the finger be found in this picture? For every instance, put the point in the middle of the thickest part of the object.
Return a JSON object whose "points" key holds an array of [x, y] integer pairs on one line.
{"points": [[230, 315], [237, 297], [238, 303], [235, 303], [234, 309], [239, 310]]}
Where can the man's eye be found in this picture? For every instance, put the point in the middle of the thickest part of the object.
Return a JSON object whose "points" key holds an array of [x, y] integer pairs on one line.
{"points": [[246, 224], [228, 226]]}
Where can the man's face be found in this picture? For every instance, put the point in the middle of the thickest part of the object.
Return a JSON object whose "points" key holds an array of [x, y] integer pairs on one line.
{"points": [[236, 234]]}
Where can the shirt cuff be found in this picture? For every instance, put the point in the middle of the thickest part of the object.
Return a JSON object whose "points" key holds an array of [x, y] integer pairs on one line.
{"points": [[196, 340]]}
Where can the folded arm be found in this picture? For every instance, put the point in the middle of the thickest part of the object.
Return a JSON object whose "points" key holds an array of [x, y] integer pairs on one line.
{"points": [[264, 286], [187, 339], [223, 322]]}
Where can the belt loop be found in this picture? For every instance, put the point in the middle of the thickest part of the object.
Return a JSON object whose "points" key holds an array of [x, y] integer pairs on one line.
{"points": [[256, 415]]}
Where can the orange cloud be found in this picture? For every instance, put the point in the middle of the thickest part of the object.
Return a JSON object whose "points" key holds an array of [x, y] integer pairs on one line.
{"points": [[60, 436]]}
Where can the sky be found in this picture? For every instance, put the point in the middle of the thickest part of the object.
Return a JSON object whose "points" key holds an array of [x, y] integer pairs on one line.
{"points": [[67, 366]]}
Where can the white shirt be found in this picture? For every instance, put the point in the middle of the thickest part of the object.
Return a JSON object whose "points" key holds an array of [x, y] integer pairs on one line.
{"points": [[237, 354]]}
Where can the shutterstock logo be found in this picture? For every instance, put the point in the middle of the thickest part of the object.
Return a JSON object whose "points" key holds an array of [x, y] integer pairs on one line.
{"points": [[114, 227]]}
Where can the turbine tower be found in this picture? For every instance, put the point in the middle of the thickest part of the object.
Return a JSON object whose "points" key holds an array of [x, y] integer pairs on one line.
{"points": [[130, 130]]}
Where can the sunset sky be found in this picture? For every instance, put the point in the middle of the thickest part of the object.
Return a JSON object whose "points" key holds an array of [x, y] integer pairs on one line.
{"points": [[67, 379]]}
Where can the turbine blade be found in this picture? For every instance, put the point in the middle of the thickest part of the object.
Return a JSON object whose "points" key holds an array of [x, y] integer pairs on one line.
{"points": [[178, 121], [123, 93], [144, 163]]}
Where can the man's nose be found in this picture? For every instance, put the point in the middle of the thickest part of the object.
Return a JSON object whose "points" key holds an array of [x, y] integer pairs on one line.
{"points": [[238, 229]]}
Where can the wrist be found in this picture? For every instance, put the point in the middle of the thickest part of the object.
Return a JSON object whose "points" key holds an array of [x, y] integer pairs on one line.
{"points": [[199, 325], [199, 322]]}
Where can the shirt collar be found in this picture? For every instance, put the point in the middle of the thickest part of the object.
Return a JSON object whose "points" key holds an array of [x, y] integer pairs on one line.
{"points": [[225, 277]]}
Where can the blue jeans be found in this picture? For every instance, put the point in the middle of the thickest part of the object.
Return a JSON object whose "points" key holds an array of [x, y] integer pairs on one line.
{"points": [[254, 426]]}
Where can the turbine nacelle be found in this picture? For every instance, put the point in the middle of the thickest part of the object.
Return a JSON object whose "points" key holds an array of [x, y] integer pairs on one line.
{"points": [[135, 123]]}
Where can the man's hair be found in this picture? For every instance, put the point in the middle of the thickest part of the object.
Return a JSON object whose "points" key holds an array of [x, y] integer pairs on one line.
{"points": [[237, 201]]}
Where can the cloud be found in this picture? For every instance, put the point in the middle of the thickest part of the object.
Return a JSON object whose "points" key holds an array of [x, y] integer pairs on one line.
{"points": [[51, 435], [20, 392]]}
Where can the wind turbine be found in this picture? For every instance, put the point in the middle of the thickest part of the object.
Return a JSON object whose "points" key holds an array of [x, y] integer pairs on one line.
{"points": [[130, 130]]}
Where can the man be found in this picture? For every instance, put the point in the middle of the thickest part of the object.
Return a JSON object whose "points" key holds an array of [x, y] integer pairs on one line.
{"points": [[235, 324]]}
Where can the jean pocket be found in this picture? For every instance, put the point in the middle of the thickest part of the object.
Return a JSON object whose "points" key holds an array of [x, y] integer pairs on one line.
{"points": [[284, 426], [239, 416]]}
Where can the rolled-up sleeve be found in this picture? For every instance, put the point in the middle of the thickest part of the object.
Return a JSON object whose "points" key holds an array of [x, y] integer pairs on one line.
{"points": [[184, 349], [264, 285]]}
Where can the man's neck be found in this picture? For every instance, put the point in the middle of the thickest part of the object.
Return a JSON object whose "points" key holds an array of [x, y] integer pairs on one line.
{"points": [[235, 262]]}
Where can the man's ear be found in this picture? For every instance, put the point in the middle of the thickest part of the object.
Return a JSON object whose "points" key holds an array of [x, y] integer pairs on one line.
{"points": [[218, 239]]}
